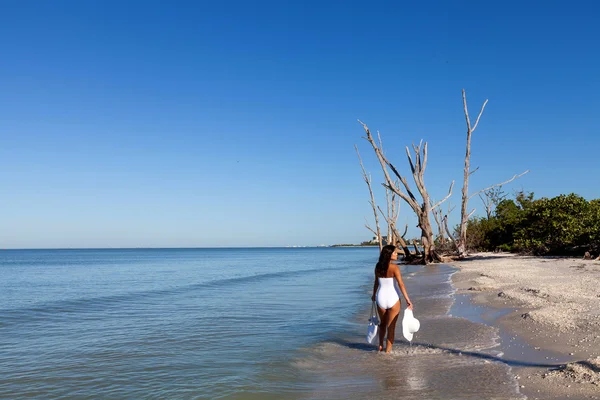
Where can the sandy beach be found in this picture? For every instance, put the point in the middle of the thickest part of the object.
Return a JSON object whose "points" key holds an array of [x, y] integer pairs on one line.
{"points": [[555, 306]]}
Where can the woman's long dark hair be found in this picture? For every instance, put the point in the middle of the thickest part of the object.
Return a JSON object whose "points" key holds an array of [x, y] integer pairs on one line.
{"points": [[384, 260]]}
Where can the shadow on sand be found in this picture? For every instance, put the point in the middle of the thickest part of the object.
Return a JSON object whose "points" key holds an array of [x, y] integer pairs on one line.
{"points": [[512, 363], [496, 256]]}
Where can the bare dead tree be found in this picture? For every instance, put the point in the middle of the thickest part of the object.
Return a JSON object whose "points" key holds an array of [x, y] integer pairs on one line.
{"points": [[438, 216], [491, 198], [421, 209], [464, 216], [462, 241], [367, 180], [446, 228], [393, 208]]}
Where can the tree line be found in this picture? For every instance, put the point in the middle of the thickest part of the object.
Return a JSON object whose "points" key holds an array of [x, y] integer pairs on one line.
{"points": [[566, 224]]}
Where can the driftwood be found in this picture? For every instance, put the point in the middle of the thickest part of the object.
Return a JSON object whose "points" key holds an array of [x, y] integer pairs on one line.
{"points": [[421, 209], [417, 251]]}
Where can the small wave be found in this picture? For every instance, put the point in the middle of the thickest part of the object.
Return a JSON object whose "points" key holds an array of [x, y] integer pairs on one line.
{"points": [[50, 309]]}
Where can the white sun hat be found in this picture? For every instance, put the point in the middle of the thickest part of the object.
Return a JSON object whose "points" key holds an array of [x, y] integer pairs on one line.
{"points": [[410, 325]]}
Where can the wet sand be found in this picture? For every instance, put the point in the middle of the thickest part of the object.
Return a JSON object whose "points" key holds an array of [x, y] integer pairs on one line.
{"points": [[550, 305]]}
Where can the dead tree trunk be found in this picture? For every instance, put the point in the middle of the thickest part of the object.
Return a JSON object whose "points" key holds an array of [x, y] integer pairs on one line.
{"points": [[464, 216], [367, 179], [422, 209], [390, 215], [445, 222], [438, 216], [462, 240], [444, 225]]}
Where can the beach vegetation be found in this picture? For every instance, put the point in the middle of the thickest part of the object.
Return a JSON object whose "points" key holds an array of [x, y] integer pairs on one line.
{"points": [[566, 224]]}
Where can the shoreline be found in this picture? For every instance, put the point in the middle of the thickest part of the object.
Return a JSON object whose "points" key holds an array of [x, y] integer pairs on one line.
{"points": [[434, 365], [551, 305]]}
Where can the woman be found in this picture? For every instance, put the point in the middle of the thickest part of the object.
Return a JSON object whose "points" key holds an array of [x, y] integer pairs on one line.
{"points": [[388, 299]]}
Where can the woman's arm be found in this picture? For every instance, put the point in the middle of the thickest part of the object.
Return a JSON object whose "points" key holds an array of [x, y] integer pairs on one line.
{"points": [[375, 287], [402, 287]]}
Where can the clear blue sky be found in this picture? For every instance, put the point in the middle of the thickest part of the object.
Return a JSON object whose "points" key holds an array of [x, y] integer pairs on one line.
{"points": [[232, 123]]}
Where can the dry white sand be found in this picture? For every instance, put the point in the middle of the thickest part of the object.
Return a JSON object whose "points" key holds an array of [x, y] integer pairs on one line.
{"points": [[559, 310]]}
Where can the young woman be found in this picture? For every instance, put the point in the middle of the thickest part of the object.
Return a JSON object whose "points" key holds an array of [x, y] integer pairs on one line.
{"points": [[387, 296]]}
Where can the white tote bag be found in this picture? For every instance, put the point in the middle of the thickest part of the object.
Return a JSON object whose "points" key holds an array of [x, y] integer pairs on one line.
{"points": [[373, 326]]}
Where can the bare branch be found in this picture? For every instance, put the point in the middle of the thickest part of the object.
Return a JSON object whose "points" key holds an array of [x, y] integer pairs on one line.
{"points": [[405, 230], [371, 229], [472, 172], [367, 179], [448, 231], [410, 161], [466, 109], [471, 213], [437, 216], [396, 234], [433, 207], [382, 213], [384, 164], [424, 162], [488, 204], [499, 184], [389, 196], [479, 116]]}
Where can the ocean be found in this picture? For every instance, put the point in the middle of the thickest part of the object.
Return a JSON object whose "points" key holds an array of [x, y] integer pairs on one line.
{"points": [[239, 323]]}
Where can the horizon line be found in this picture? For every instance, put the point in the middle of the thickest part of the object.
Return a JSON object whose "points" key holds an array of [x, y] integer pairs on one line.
{"points": [[176, 248]]}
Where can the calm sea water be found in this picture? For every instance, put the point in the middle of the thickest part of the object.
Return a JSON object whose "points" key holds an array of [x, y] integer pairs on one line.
{"points": [[229, 323], [171, 323]]}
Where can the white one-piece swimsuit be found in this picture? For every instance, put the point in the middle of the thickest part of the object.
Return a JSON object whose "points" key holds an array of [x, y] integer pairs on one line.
{"points": [[387, 294]]}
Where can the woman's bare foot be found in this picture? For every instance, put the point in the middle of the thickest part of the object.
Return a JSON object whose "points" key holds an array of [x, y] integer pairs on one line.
{"points": [[380, 348]]}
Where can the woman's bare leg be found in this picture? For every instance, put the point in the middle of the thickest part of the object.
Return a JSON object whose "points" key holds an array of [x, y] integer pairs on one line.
{"points": [[392, 318], [382, 326]]}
